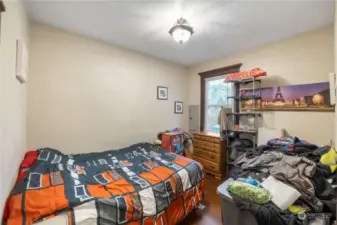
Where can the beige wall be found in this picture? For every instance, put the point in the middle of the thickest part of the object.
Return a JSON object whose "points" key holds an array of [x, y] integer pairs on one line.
{"points": [[84, 95], [307, 58], [14, 25]]}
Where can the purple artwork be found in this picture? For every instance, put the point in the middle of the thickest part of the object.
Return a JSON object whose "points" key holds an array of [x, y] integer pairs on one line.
{"points": [[304, 97]]}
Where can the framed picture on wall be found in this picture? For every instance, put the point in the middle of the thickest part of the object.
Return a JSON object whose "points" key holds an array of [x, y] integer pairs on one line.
{"points": [[299, 97], [178, 107], [162, 93]]}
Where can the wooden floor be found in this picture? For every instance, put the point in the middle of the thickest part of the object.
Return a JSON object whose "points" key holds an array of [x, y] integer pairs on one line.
{"points": [[211, 215]]}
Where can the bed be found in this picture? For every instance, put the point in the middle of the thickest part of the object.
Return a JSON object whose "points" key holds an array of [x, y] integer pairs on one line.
{"points": [[141, 184]]}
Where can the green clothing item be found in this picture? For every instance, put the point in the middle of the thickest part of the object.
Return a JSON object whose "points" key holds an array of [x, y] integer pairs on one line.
{"points": [[250, 192]]}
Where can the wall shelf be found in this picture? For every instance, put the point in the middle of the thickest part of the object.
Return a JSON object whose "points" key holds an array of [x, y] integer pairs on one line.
{"points": [[244, 114], [243, 98], [243, 131], [233, 134], [245, 81]]}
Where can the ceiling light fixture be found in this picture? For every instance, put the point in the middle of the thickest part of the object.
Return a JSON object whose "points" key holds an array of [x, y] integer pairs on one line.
{"points": [[181, 31]]}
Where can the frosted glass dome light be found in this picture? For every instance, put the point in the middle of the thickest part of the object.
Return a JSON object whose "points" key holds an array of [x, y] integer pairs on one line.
{"points": [[181, 31]]}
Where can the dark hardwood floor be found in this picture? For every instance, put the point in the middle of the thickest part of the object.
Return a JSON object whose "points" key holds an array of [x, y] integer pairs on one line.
{"points": [[211, 215]]}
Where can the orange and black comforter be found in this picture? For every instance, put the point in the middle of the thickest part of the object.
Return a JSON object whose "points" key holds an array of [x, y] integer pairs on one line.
{"points": [[141, 184]]}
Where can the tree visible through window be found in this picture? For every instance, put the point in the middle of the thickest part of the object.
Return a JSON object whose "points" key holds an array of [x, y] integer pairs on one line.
{"points": [[217, 92]]}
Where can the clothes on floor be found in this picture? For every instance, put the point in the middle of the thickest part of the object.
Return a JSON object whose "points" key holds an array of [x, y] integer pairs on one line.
{"points": [[263, 162], [330, 158], [239, 147], [298, 209], [312, 154], [255, 174], [267, 214], [298, 164], [235, 172], [291, 143], [323, 188], [251, 153], [270, 214], [305, 150], [296, 171]]}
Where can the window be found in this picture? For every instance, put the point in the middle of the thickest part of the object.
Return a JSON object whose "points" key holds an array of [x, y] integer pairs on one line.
{"points": [[217, 93], [214, 95]]}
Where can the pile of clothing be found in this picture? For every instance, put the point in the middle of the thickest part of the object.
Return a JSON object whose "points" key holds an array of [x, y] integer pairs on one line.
{"points": [[308, 168]]}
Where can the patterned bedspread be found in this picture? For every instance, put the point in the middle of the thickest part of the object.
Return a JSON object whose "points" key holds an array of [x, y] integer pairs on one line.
{"points": [[141, 184]]}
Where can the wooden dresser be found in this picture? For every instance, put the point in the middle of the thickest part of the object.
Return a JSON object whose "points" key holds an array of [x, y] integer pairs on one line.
{"points": [[210, 151]]}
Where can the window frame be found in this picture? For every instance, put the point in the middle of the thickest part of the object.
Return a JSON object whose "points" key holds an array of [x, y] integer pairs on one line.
{"points": [[221, 77], [210, 74]]}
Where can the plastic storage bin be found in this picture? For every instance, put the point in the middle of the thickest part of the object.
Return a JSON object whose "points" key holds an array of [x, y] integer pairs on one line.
{"points": [[231, 214]]}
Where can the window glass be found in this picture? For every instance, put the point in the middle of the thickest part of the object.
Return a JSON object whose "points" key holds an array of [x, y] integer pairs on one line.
{"points": [[217, 93]]}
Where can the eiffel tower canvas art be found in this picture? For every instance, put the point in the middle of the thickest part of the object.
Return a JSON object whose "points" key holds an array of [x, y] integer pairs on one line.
{"points": [[278, 96], [303, 97]]}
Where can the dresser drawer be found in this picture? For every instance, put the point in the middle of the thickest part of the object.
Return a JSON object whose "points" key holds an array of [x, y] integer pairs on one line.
{"points": [[208, 139], [212, 140], [198, 137], [211, 147], [198, 142], [213, 157], [208, 147], [215, 167], [216, 140]]}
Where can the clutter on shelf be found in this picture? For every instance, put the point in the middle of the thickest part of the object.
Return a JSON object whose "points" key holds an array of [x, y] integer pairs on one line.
{"points": [[242, 76], [240, 122]]}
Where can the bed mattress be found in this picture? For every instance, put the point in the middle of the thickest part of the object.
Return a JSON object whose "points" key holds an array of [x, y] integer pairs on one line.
{"points": [[141, 184]]}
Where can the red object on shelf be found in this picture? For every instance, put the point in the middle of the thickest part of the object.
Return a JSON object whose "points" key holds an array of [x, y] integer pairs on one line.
{"points": [[173, 142], [257, 72]]}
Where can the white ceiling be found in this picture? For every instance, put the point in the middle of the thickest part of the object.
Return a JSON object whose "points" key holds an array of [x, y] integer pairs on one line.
{"points": [[222, 27]]}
